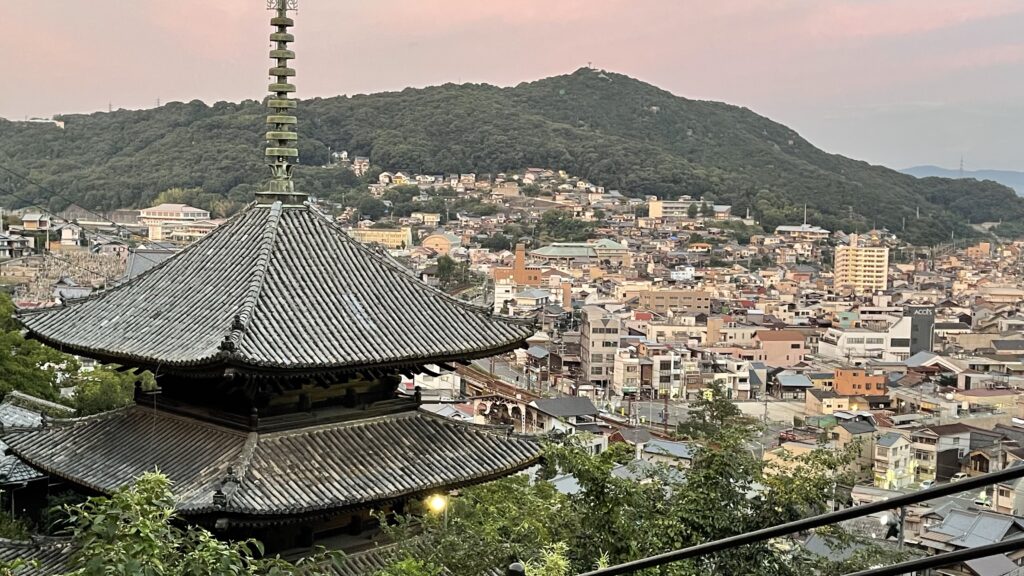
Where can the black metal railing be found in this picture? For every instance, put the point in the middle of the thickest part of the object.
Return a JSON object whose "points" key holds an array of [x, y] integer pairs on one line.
{"points": [[1011, 473]]}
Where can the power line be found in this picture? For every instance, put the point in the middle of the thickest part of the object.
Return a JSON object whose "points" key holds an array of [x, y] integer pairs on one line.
{"points": [[9, 192], [66, 199], [65, 220]]}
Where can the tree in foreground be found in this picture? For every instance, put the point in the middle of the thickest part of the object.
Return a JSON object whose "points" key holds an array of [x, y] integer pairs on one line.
{"points": [[609, 518], [135, 532]]}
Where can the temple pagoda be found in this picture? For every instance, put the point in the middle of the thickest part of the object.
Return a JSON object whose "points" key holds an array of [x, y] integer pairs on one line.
{"points": [[277, 342]]}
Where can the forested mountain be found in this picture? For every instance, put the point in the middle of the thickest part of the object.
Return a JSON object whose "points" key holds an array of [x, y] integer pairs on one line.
{"points": [[1009, 178], [608, 128]]}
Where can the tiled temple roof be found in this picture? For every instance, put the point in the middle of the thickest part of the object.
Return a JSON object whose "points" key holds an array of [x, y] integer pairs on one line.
{"points": [[43, 556], [277, 289], [307, 470]]}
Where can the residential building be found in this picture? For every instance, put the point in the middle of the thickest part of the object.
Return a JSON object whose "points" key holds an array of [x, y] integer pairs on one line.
{"points": [[679, 454], [894, 462], [780, 348], [862, 432], [802, 232], [680, 208], [663, 301], [789, 386], [939, 449], [32, 221], [863, 269], [599, 339], [858, 382], [824, 402], [627, 372], [172, 213], [392, 238], [14, 245], [432, 219]]}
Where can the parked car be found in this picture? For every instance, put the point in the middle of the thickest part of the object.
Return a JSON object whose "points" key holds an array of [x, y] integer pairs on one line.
{"points": [[927, 484], [958, 476]]}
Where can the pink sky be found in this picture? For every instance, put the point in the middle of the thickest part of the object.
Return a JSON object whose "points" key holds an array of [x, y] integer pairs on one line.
{"points": [[897, 82]]}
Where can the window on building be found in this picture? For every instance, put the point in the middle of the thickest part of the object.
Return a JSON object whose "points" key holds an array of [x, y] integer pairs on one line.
{"points": [[596, 371], [666, 365], [794, 346]]}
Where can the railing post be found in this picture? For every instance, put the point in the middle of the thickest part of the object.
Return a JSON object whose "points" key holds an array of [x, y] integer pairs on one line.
{"points": [[903, 527], [516, 569]]}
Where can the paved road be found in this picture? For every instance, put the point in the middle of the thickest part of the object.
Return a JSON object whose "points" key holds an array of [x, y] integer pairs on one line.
{"points": [[967, 498], [652, 411], [778, 411]]}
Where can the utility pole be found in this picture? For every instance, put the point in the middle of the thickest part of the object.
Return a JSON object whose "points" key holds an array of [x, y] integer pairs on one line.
{"points": [[665, 420]]}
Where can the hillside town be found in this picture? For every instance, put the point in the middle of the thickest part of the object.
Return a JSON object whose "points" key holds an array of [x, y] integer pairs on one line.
{"points": [[828, 338], [520, 373]]}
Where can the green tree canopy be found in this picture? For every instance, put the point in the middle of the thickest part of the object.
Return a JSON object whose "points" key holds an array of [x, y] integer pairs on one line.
{"points": [[135, 532], [611, 519], [27, 365], [557, 226]]}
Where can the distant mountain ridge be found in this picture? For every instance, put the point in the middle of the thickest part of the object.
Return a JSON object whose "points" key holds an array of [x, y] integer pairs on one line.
{"points": [[1008, 178], [613, 130]]}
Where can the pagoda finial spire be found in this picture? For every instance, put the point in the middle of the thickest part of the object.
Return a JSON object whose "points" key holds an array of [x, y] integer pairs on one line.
{"points": [[282, 139]]}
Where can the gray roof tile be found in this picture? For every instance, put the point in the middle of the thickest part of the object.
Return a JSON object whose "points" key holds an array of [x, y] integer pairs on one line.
{"points": [[276, 288], [325, 467], [46, 556]]}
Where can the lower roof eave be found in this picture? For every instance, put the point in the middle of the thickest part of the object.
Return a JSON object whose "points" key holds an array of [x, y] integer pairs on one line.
{"points": [[239, 518], [250, 518]]}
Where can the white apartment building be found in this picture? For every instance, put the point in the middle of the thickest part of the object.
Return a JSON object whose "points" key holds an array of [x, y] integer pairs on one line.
{"points": [[680, 208], [172, 213], [669, 371], [733, 376], [861, 268], [802, 232], [165, 220], [599, 340], [677, 329], [627, 372], [856, 346]]}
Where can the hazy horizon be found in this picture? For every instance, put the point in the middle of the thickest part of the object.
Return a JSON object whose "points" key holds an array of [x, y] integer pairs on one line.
{"points": [[920, 82]]}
